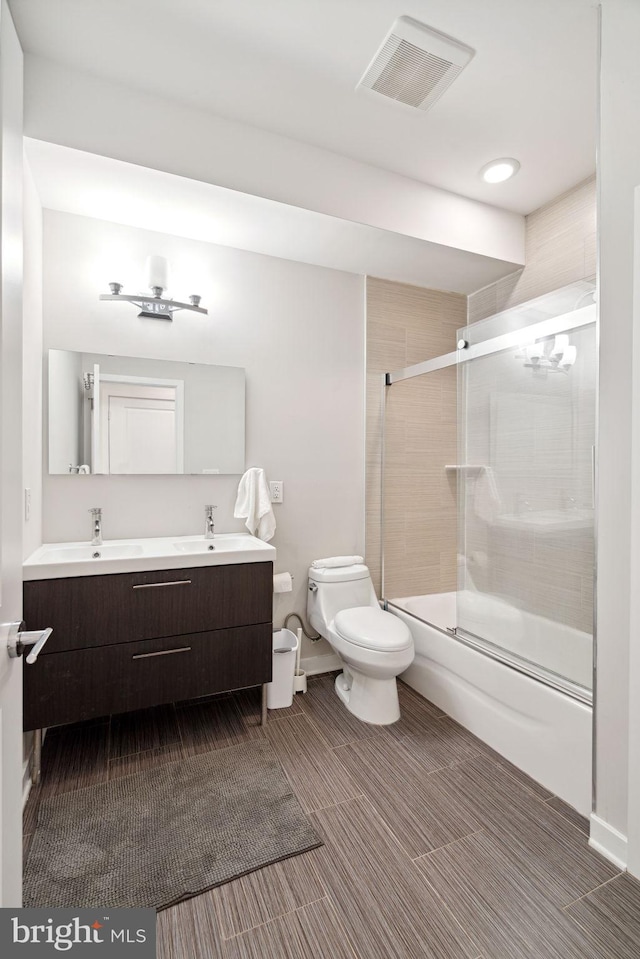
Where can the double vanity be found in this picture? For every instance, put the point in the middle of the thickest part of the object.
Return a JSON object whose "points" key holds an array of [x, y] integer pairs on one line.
{"points": [[139, 623]]}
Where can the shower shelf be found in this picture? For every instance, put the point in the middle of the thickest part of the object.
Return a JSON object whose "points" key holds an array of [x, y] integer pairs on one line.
{"points": [[466, 468]]}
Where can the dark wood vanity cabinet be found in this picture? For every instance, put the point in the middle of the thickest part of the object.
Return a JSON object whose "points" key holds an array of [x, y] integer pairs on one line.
{"points": [[127, 641]]}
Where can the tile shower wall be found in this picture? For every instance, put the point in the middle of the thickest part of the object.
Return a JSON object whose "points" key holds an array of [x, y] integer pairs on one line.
{"points": [[405, 325], [560, 244]]}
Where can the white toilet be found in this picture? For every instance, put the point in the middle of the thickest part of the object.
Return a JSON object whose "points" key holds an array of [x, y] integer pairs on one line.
{"points": [[375, 646]]}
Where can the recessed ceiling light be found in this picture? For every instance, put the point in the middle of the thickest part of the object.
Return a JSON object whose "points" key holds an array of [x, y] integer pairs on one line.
{"points": [[499, 170]]}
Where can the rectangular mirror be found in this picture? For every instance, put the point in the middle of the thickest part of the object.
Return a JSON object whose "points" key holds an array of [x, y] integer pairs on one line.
{"points": [[125, 415]]}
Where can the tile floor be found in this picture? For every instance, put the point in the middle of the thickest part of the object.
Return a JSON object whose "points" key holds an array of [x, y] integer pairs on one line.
{"points": [[434, 845]]}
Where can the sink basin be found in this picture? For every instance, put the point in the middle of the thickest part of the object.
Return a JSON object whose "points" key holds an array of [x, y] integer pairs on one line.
{"points": [[67, 554], [60, 560], [225, 541]]}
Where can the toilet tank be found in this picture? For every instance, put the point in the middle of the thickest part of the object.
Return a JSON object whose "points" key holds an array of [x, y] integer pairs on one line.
{"points": [[331, 590]]}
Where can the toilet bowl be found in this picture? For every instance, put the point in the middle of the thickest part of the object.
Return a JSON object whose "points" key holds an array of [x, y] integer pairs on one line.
{"points": [[374, 645]]}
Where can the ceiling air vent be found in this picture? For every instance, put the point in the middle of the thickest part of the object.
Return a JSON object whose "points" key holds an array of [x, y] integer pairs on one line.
{"points": [[415, 64]]}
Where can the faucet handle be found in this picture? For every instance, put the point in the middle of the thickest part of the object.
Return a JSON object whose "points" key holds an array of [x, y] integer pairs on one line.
{"points": [[96, 510], [210, 509]]}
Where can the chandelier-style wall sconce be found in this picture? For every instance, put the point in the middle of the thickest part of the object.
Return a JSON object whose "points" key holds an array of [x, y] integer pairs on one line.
{"points": [[547, 355], [156, 307]]}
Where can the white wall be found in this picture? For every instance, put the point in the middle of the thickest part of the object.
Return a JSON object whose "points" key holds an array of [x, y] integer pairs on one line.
{"points": [[299, 332], [618, 613], [32, 362], [64, 427], [78, 110]]}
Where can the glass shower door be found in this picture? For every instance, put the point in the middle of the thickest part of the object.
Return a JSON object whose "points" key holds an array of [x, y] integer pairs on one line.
{"points": [[526, 435]]}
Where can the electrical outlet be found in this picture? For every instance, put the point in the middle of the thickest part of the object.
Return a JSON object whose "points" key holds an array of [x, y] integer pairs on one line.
{"points": [[276, 488]]}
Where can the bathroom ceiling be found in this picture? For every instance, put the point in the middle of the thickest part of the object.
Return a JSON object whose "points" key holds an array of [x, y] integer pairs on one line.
{"points": [[72, 181], [291, 67]]}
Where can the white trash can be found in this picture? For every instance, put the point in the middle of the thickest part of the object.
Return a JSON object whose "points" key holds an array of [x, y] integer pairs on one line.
{"points": [[280, 689]]}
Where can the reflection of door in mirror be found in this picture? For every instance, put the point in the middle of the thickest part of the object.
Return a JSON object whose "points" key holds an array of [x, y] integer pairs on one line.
{"points": [[204, 434], [140, 426]]}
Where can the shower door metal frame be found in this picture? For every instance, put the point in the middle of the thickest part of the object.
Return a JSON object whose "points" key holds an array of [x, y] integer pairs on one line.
{"points": [[575, 320]]}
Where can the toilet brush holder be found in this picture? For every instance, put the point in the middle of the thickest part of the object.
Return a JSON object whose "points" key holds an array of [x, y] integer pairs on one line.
{"points": [[300, 681], [299, 676]]}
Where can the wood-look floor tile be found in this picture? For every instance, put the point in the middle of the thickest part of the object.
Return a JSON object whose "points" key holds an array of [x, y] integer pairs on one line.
{"points": [[580, 822], [414, 707], [318, 778], [419, 814], [188, 931], [74, 758], [514, 772], [611, 916], [503, 911], [381, 901], [143, 729], [30, 811], [435, 743], [212, 725], [26, 845], [249, 702], [338, 725], [143, 762], [311, 932], [535, 835], [266, 894]]}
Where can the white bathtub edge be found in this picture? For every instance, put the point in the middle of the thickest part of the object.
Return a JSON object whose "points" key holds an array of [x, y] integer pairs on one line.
{"points": [[606, 840], [542, 731]]}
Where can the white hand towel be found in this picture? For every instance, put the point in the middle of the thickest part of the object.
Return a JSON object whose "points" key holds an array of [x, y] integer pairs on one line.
{"points": [[253, 504], [334, 561]]}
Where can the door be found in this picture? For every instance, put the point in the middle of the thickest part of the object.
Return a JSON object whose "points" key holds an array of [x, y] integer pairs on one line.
{"points": [[139, 428], [142, 435], [10, 457]]}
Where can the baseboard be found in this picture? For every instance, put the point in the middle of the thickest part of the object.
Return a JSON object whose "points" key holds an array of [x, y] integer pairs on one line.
{"points": [[608, 842], [326, 663]]}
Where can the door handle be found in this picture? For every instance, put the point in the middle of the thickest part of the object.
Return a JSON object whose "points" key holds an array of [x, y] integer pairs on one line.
{"points": [[18, 640]]}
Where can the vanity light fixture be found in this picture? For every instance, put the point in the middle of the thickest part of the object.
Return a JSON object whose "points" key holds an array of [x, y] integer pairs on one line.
{"points": [[497, 171], [156, 307], [544, 356]]}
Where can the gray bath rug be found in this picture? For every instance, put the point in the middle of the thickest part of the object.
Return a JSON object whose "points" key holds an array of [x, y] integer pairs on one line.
{"points": [[155, 838]]}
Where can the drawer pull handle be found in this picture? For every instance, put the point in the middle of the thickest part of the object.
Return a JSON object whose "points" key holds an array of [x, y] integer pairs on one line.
{"points": [[173, 582], [162, 652]]}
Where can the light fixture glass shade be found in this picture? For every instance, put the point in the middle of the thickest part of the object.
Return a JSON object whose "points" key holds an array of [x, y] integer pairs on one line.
{"points": [[497, 171], [535, 352], [569, 356], [560, 344], [157, 272]]}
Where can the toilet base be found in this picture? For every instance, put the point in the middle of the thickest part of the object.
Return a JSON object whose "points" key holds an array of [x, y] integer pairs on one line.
{"points": [[371, 700]]}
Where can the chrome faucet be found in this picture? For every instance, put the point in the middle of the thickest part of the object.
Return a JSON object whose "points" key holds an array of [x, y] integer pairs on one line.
{"points": [[208, 523], [96, 513]]}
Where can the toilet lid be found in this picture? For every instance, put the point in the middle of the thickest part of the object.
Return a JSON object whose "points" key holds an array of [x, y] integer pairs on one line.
{"points": [[372, 628]]}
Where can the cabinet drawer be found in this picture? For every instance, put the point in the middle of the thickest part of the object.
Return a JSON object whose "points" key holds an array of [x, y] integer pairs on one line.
{"points": [[103, 610], [84, 683]]}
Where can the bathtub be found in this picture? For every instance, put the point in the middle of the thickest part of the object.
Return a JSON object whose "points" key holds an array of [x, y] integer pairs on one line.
{"points": [[541, 729]]}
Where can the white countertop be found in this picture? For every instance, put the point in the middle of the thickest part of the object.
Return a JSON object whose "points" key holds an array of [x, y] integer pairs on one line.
{"points": [[62, 560]]}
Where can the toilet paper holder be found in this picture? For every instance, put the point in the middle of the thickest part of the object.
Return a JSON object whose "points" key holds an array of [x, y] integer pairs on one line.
{"points": [[283, 582]]}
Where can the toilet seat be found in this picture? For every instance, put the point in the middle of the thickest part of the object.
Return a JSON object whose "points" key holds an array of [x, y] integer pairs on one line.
{"points": [[372, 628]]}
